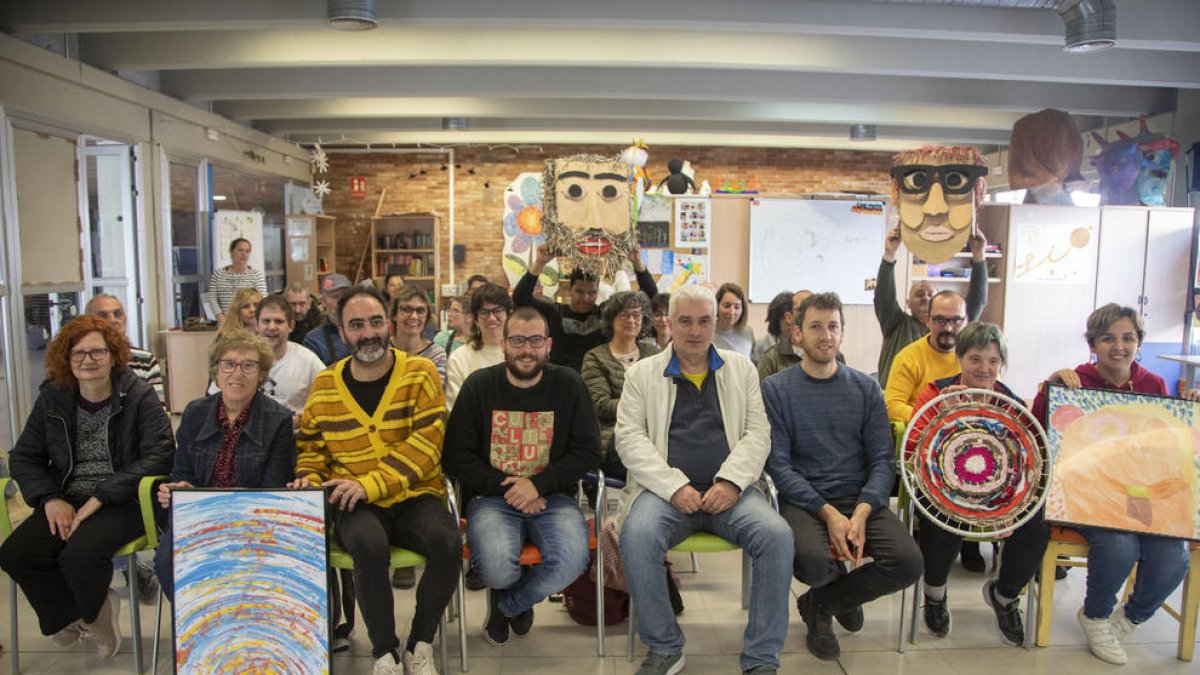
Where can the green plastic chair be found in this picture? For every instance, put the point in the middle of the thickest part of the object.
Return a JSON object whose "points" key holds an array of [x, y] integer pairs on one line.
{"points": [[148, 541]]}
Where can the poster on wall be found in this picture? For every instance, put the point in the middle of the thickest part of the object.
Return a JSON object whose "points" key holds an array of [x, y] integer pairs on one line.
{"points": [[230, 225], [250, 581], [654, 222], [685, 269], [1052, 252], [1124, 461], [523, 231], [658, 260], [693, 222]]}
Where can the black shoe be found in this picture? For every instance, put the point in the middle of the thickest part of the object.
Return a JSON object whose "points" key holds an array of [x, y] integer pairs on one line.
{"points": [[522, 622], [673, 593], [404, 578], [1060, 572], [937, 617], [341, 638], [495, 626], [1008, 617], [474, 580], [820, 640], [852, 620], [972, 559]]}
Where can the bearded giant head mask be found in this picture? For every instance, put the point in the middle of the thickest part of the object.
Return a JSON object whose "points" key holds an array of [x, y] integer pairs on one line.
{"points": [[588, 215], [935, 189]]}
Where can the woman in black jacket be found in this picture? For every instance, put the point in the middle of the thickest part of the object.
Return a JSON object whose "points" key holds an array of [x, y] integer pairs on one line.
{"points": [[96, 429]]}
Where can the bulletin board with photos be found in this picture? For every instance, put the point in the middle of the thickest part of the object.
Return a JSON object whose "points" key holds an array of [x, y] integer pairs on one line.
{"points": [[675, 236]]}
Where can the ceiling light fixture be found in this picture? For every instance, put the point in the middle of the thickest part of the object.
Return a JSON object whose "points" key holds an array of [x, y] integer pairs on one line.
{"points": [[1091, 25], [862, 132], [455, 123], [352, 15]]}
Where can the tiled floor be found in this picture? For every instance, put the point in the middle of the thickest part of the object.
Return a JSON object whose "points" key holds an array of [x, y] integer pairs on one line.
{"points": [[713, 621]]}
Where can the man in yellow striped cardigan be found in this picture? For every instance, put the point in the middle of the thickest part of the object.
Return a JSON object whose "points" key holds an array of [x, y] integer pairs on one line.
{"points": [[371, 434]]}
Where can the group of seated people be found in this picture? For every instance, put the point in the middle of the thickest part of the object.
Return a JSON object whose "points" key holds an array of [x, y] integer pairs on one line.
{"points": [[532, 396]]}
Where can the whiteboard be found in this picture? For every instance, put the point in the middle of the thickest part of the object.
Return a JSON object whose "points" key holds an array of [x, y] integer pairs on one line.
{"points": [[230, 225], [818, 245]]}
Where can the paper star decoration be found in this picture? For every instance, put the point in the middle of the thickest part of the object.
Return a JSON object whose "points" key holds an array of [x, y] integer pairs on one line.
{"points": [[319, 160], [321, 188]]}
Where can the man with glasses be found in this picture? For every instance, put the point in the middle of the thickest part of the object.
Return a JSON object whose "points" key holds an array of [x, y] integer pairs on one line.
{"points": [[521, 435], [371, 435], [927, 359]]}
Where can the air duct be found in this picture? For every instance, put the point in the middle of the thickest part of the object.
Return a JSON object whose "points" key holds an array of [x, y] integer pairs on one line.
{"points": [[455, 123], [352, 15], [862, 132], [1091, 25]]}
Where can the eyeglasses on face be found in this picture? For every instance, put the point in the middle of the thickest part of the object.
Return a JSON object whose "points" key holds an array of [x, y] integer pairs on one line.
{"points": [[944, 321], [497, 312], [97, 355], [630, 314], [375, 322], [519, 341], [229, 365], [408, 310], [955, 179]]}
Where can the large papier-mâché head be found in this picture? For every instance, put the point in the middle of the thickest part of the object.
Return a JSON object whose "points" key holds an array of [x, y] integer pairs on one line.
{"points": [[588, 211], [935, 189]]}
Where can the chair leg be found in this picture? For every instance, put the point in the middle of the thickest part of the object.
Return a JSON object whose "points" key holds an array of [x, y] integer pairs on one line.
{"points": [[747, 571], [1030, 610], [903, 613], [1190, 603], [632, 630], [599, 597], [157, 632], [462, 621], [695, 564], [444, 650], [1045, 601], [915, 611], [12, 626], [135, 614]]}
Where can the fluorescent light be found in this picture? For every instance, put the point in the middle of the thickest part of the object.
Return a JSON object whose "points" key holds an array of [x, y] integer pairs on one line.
{"points": [[218, 198]]}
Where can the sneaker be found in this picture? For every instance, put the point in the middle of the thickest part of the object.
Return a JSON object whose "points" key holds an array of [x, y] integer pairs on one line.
{"points": [[1102, 640], [495, 626], [404, 578], [1122, 626], [661, 664], [341, 638], [522, 622], [972, 559], [474, 580], [387, 665], [852, 620], [106, 629], [147, 583], [1008, 617], [937, 617], [820, 640], [420, 660], [69, 636]]}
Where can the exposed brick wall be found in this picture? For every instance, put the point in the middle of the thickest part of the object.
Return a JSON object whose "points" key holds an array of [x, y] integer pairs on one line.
{"points": [[479, 204]]}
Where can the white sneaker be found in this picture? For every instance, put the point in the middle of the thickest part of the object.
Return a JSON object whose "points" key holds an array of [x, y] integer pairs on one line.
{"points": [[420, 660], [1122, 627], [387, 665], [1102, 639], [106, 629], [69, 636]]}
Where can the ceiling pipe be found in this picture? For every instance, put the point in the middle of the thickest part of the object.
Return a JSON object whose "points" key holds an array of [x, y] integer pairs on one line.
{"points": [[352, 15], [1091, 25]]}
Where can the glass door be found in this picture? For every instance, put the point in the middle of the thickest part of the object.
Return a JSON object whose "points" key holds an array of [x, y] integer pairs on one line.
{"points": [[111, 244]]}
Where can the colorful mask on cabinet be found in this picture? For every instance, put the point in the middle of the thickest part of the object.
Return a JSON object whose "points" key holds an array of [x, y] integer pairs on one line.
{"points": [[588, 211], [1135, 170], [935, 189]]}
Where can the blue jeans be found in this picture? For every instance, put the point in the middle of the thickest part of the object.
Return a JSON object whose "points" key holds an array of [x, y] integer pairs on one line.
{"points": [[1162, 564], [496, 532], [653, 526]]}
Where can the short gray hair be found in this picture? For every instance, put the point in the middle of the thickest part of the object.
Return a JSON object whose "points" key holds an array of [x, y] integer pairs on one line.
{"points": [[979, 335], [692, 292], [87, 309]]}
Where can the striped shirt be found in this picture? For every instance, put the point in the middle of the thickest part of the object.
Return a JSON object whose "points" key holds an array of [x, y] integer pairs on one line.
{"points": [[143, 364], [394, 453], [223, 285]]}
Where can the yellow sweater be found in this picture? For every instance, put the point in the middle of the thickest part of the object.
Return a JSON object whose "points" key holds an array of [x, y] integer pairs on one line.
{"points": [[913, 369], [395, 454]]}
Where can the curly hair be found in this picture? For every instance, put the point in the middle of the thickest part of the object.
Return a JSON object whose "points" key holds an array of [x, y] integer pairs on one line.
{"points": [[58, 353], [618, 304], [941, 154]]}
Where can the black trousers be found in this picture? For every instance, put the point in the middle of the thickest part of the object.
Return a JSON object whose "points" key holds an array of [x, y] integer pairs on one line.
{"points": [[423, 525], [895, 564], [68, 580], [1020, 560]]}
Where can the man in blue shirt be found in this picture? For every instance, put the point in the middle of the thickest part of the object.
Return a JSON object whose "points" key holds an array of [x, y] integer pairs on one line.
{"points": [[833, 461]]}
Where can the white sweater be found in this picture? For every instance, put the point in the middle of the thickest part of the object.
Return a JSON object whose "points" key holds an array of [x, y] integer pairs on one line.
{"points": [[464, 361], [644, 422]]}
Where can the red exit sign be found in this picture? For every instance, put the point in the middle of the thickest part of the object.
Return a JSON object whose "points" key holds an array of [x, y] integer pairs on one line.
{"points": [[358, 187]]}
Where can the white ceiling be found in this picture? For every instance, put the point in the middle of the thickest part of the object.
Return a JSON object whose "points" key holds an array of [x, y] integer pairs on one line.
{"points": [[774, 73]]}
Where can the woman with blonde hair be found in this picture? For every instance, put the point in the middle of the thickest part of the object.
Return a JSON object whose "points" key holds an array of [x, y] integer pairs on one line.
{"points": [[240, 313]]}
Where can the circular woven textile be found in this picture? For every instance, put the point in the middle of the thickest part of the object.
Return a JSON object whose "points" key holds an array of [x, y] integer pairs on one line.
{"points": [[978, 467]]}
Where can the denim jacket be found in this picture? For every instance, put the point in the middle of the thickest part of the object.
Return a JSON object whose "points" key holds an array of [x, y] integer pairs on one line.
{"points": [[265, 454]]}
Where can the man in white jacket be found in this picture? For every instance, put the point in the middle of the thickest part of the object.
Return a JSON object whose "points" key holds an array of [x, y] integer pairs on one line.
{"points": [[693, 434]]}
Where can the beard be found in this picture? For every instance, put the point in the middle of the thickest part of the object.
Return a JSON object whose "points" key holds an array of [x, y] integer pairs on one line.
{"points": [[945, 341], [513, 363], [369, 350]]}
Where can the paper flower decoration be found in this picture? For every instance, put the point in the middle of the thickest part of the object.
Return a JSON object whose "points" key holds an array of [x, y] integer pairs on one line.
{"points": [[321, 188], [524, 231], [319, 160]]}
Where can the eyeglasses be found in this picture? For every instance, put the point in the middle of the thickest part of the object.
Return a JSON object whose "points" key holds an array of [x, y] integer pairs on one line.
{"points": [[454, 310], [945, 321], [375, 322], [519, 341], [660, 315], [630, 314], [955, 179], [229, 365], [97, 355], [407, 310], [496, 312]]}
